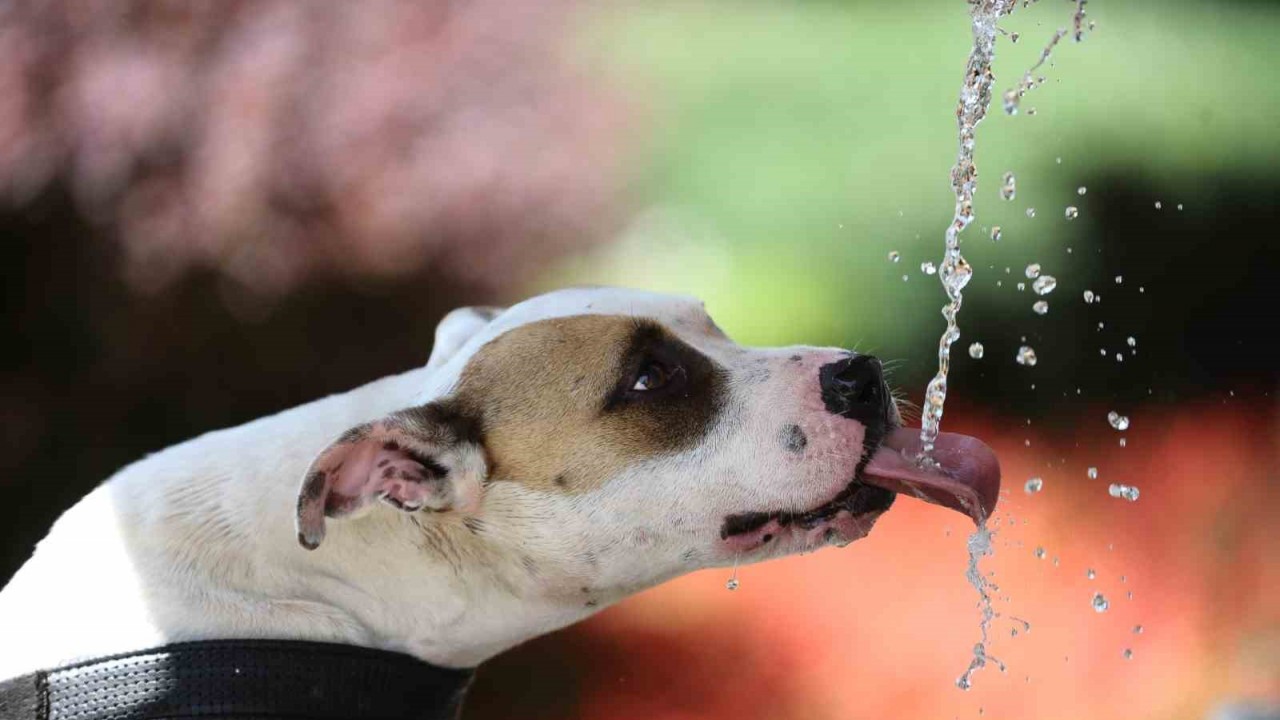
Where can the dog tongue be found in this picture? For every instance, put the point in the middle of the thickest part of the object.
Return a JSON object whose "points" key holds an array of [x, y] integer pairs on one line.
{"points": [[966, 476]]}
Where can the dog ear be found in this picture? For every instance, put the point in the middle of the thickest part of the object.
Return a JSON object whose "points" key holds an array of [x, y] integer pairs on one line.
{"points": [[456, 329], [428, 457]]}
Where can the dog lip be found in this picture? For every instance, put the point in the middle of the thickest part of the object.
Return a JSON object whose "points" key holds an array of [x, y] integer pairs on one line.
{"points": [[858, 498]]}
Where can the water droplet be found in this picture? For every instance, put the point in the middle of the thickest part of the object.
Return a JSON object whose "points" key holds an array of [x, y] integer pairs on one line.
{"points": [[1090, 574], [905, 278], [1072, 212], [1026, 356], [1141, 289], [1009, 186], [1014, 37], [956, 276], [1123, 442], [1179, 207], [1033, 486], [1040, 307], [928, 268], [1044, 284], [1137, 629], [1126, 492], [732, 584], [1031, 212], [1033, 271], [1128, 654], [1119, 279], [894, 256], [1118, 421], [1100, 603], [1119, 357], [1088, 296], [1159, 205], [1056, 561], [1082, 190], [995, 233], [976, 350], [1022, 286], [1040, 553], [1092, 473]]}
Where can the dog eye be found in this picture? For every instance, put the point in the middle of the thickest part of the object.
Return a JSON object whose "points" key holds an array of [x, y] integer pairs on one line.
{"points": [[651, 377]]}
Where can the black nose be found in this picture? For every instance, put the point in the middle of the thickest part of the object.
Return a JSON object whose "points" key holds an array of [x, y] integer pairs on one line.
{"points": [[854, 388]]}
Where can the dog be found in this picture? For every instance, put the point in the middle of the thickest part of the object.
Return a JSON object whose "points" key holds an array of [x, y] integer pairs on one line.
{"points": [[550, 459]]}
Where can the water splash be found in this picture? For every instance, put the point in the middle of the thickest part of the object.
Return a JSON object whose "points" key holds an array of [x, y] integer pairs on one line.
{"points": [[1013, 96], [955, 272], [979, 547]]}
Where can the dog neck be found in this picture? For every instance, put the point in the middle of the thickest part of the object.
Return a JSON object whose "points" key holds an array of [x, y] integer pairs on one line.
{"points": [[198, 542]]}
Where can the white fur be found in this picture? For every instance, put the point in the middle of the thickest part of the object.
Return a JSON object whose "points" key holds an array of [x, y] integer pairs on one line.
{"points": [[198, 541]]}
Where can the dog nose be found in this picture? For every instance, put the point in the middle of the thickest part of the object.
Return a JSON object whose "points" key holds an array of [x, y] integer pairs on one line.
{"points": [[854, 388]]}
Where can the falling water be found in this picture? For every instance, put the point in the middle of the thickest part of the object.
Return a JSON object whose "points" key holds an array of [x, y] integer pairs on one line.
{"points": [[980, 547], [955, 272]]}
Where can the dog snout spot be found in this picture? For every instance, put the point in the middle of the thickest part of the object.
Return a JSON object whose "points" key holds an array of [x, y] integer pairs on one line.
{"points": [[793, 438], [854, 388]]}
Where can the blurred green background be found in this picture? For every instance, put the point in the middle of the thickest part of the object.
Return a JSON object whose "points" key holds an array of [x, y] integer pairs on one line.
{"points": [[797, 144]]}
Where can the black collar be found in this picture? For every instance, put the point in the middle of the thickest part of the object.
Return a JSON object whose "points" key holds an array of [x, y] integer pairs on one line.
{"points": [[240, 679]]}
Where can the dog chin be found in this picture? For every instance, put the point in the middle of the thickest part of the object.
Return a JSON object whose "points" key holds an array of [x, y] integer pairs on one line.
{"points": [[848, 516], [776, 538]]}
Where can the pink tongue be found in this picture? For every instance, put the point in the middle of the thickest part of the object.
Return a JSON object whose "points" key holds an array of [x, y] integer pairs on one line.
{"points": [[966, 478]]}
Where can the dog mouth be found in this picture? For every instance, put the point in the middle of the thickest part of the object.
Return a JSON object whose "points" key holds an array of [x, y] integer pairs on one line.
{"points": [[857, 499], [964, 475]]}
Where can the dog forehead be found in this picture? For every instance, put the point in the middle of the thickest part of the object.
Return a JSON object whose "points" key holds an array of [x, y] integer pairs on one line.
{"points": [[602, 301]]}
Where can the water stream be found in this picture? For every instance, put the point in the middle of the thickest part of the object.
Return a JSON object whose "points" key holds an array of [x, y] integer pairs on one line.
{"points": [[955, 272]]}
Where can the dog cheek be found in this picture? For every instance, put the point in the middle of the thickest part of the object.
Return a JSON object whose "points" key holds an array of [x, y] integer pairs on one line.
{"points": [[468, 476]]}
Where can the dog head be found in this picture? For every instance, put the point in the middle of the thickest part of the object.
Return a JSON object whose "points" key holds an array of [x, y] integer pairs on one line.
{"points": [[604, 440]]}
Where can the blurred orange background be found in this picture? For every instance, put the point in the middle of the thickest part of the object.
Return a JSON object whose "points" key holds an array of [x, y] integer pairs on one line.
{"points": [[883, 628]]}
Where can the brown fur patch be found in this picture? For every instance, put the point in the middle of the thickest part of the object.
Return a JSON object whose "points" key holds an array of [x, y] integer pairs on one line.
{"points": [[551, 397]]}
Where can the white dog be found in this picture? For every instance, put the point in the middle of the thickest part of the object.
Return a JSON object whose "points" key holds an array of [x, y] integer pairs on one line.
{"points": [[549, 460]]}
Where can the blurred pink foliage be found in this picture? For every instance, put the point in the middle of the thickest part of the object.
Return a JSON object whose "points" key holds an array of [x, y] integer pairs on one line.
{"points": [[277, 140]]}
